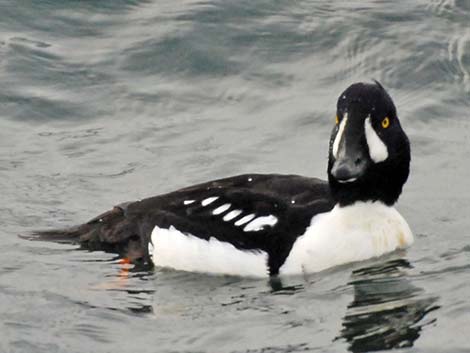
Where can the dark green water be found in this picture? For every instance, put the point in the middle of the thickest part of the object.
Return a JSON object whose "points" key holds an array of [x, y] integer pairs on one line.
{"points": [[108, 101]]}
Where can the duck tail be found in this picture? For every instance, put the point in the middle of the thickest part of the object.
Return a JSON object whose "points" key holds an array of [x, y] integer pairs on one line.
{"points": [[111, 231]]}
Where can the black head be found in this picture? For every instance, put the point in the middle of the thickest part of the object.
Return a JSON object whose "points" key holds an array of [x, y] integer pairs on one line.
{"points": [[369, 154]]}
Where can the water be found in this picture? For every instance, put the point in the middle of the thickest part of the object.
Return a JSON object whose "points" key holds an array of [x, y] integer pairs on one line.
{"points": [[110, 101]]}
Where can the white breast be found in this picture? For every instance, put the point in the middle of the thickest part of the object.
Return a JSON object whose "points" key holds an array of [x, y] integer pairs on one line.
{"points": [[346, 234]]}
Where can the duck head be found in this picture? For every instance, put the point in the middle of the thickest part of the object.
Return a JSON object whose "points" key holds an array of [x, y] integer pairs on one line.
{"points": [[369, 153]]}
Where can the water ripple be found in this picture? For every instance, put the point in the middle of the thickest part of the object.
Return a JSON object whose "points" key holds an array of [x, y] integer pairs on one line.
{"points": [[387, 311]]}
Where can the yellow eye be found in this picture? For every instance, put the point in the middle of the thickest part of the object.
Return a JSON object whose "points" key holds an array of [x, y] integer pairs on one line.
{"points": [[337, 120], [386, 122]]}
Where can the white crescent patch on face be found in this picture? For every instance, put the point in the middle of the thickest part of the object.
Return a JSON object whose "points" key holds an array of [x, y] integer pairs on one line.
{"points": [[378, 151]]}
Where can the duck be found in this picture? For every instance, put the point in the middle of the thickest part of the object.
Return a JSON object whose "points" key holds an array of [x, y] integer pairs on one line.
{"points": [[269, 225]]}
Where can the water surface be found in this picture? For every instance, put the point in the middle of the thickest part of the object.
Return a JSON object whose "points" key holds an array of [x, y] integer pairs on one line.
{"points": [[110, 101]]}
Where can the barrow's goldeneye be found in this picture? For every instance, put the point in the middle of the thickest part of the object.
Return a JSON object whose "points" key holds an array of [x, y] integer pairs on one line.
{"points": [[268, 224]]}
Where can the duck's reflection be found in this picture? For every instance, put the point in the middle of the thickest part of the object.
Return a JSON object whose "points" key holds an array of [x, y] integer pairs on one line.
{"points": [[388, 311]]}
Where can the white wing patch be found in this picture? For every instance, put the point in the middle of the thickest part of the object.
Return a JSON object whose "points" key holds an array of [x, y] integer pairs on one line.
{"points": [[377, 149], [254, 224], [209, 200], [173, 249], [339, 135], [259, 223], [221, 209], [232, 214], [245, 219]]}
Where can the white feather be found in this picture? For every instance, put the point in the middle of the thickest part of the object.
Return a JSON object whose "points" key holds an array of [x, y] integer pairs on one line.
{"points": [[245, 219], [259, 223], [221, 209], [150, 249], [347, 234], [231, 215], [209, 200], [173, 249], [339, 135], [378, 151]]}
